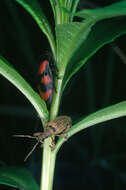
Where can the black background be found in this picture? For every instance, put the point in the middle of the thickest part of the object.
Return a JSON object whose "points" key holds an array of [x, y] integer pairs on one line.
{"points": [[95, 157]]}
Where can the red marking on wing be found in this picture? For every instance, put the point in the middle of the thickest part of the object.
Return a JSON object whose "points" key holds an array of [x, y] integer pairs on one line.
{"points": [[42, 67], [46, 80], [45, 95]]}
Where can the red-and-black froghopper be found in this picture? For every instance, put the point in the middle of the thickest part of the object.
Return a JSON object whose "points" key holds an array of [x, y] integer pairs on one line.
{"points": [[45, 84]]}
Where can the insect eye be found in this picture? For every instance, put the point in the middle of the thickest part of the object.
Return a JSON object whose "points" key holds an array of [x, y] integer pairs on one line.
{"points": [[53, 128]]}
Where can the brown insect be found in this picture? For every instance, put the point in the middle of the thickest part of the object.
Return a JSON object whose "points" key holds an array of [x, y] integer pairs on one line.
{"points": [[56, 127]]}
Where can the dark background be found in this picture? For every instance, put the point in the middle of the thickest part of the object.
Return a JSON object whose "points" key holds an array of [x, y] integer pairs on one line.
{"points": [[94, 158]]}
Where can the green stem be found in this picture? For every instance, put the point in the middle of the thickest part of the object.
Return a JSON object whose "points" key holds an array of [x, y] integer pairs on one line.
{"points": [[58, 15], [48, 166], [56, 99], [49, 156]]}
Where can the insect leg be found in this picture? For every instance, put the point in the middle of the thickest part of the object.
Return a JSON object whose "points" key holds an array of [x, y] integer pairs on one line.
{"points": [[31, 151], [37, 134], [27, 136], [52, 146], [63, 135], [67, 127]]}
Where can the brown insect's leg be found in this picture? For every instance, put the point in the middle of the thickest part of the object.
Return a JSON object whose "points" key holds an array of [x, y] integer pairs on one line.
{"points": [[63, 135], [52, 146], [67, 127], [31, 151], [27, 136], [37, 134]]}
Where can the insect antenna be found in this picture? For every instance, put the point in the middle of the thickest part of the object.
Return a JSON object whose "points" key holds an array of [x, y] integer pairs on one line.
{"points": [[31, 137], [31, 151], [27, 136]]}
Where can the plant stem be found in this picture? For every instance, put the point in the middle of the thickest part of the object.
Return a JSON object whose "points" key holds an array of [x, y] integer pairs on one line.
{"points": [[56, 98], [49, 156], [48, 165]]}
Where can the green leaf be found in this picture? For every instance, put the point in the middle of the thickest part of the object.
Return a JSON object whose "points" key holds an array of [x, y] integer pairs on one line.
{"points": [[16, 79], [70, 9], [17, 177], [61, 15], [69, 37], [101, 33], [105, 114], [74, 7], [33, 8], [116, 9], [52, 2], [77, 42]]}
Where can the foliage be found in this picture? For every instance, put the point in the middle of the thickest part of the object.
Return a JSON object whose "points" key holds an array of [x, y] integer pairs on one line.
{"points": [[72, 45]]}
